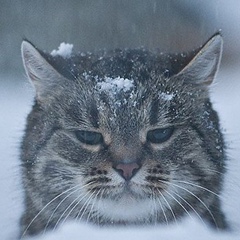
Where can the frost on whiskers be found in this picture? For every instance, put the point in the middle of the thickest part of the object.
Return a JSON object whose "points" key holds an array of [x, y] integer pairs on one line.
{"points": [[64, 50]]}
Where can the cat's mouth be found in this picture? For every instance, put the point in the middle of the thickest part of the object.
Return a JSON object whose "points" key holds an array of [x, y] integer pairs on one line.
{"points": [[127, 191], [130, 191]]}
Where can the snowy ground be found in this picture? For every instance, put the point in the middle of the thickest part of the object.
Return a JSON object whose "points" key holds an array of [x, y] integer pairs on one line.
{"points": [[15, 102]]}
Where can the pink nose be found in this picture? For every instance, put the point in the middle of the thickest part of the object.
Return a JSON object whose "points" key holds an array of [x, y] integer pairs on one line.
{"points": [[127, 170]]}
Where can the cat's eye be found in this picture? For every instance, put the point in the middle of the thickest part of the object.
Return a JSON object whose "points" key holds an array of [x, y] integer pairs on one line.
{"points": [[89, 137], [159, 135]]}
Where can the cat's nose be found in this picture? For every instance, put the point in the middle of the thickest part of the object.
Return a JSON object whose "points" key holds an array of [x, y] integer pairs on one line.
{"points": [[127, 170]]}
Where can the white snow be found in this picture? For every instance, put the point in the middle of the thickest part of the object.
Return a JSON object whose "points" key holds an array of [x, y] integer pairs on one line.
{"points": [[166, 96], [115, 85], [64, 50], [185, 231]]}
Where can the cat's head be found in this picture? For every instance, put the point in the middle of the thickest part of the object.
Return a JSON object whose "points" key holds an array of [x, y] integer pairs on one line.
{"points": [[126, 136]]}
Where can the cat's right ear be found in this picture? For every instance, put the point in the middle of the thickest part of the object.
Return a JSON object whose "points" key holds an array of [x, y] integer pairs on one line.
{"points": [[40, 73]]}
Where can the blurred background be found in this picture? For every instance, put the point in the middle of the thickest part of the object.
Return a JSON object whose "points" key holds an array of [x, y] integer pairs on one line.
{"points": [[172, 25], [169, 25]]}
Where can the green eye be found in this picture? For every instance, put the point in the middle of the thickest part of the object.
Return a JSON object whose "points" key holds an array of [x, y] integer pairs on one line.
{"points": [[159, 135], [88, 137]]}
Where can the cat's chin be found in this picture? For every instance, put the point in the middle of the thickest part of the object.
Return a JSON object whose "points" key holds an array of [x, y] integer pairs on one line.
{"points": [[125, 207]]}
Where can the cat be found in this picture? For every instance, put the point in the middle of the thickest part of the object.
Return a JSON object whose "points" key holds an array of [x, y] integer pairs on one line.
{"points": [[122, 137]]}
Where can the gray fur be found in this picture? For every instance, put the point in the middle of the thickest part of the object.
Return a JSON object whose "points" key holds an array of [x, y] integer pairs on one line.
{"points": [[65, 179]]}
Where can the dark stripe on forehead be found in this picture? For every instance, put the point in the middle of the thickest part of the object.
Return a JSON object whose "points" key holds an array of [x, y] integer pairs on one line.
{"points": [[93, 114], [153, 118]]}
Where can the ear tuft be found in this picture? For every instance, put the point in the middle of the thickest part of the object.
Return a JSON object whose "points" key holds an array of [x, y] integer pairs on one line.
{"points": [[204, 66]]}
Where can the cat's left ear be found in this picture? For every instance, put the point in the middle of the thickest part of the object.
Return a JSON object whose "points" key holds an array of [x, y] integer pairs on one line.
{"points": [[41, 74], [203, 67]]}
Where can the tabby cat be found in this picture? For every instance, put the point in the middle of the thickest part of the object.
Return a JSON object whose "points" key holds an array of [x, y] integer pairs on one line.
{"points": [[122, 137]]}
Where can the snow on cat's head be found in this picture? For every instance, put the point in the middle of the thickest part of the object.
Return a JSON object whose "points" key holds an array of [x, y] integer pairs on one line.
{"points": [[64, 50]]}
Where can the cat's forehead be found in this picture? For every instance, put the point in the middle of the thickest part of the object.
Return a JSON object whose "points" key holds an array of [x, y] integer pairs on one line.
{"points": [[115, 91], [126, 63], [133, 86], [123, 91], [129, 103], [120, 89]]}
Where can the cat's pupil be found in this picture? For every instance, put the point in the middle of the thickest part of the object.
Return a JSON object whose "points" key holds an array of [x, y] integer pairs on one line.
{"points": [[88, 137], [159, 135]]}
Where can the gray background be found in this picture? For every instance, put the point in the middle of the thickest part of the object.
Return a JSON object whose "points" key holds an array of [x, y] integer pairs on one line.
{"points": [[171, 25]]}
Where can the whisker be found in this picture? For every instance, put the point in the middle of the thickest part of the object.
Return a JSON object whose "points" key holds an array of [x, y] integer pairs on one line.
{"points": [[57, 208], [54, 199], [62, 202], [169, 206], [84, 206], [154, 206], [71, 209], [195, 211], [223, 174], [194, 195], [156, 209], [100, 199], [161, 206], [93, 203], [78, 200], [213, 171], [178, 203], [199, 186]]}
